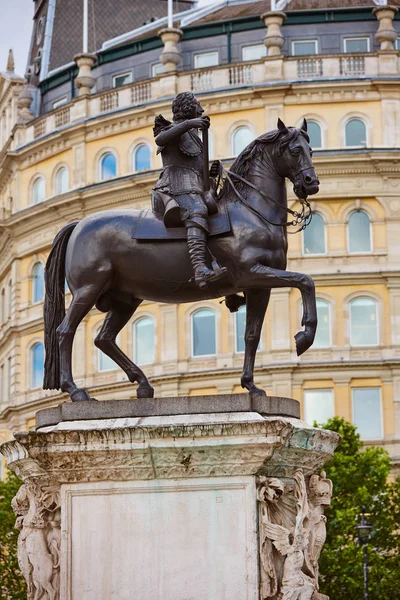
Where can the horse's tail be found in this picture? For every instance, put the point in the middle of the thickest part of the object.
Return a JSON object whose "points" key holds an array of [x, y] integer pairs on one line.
{"points": [[54, 305]]}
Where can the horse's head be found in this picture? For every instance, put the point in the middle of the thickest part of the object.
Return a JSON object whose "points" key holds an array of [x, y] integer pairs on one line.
{"points": [[293, 159]]}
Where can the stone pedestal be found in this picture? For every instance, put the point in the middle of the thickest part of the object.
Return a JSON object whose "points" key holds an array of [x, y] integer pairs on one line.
{"points": [[198, 506], [170, 56], [85, 81], [274, 39], [386, 34]]}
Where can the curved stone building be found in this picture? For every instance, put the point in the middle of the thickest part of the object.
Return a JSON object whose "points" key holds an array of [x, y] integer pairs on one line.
{"points": [[76, 137]]}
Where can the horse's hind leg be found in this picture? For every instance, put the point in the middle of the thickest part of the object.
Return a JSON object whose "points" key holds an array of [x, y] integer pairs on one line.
{"points": [[256, 307], [115, 320], [83, 300]]}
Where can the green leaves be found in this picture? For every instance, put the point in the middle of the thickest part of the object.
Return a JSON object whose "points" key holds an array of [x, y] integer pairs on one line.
{"points": [[360, 479], [12, 584]]}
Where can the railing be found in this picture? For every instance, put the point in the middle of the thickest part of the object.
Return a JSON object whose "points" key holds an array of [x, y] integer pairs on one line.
{"points": [[310, 67], [39, 128], [352, 66], [62, 117], [241, 75], [109, 102], [200, 82], [141, 93]]}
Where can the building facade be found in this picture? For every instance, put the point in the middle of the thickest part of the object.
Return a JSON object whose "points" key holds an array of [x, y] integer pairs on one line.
{"points": [[72, 145]]}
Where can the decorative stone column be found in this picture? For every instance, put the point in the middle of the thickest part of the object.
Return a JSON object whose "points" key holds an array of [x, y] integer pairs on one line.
{"points": [[85, 81], [386, 34], [24, 104], [274, 39], [170, 56], [223, 501]]}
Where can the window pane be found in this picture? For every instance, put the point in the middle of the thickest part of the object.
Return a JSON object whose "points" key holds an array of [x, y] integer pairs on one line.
{"points": [[142, 158], [323, 336], [240, 328], [204, 341], [356, 45], [359, 232], [356, 133], [241, 138], [38, 191], [144, 342], [105, 362], [37, 365], [38, 282], [62, 180], [254, 52], [314, 133], [304, 47], [319, 406], [314, 236], [157, 69], [60, 102], [121, 80], [108, 166], [206, 59], [3, 305], [364, 322], [367, 413]]}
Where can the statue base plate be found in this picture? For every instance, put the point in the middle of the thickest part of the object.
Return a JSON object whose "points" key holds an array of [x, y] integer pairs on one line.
{"points": [[186, 405]]}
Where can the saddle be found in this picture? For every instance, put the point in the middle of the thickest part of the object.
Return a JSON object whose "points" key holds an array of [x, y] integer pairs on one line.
{"points": [[149, 226]]}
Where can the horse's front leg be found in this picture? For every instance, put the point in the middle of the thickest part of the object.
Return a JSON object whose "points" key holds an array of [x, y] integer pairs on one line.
{"points": [[256, 306], [260, 275]]}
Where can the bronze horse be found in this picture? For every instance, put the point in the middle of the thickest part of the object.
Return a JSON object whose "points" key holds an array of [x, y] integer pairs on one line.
{"points": [[106, 268]]}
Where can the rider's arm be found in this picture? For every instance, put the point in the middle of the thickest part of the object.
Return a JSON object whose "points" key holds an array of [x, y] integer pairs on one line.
{"points": [[176, 130]]}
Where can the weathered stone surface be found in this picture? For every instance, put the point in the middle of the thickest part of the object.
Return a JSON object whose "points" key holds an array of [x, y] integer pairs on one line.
{"points": [[113, 409], [212, 505]]}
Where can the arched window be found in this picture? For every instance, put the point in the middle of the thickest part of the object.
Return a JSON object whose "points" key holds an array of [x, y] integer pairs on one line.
{"points": [[108, 166], [242, 136], [323, 335], [62, 180], [3, 305], [355, 133], [364, 322], [38, 190], [37, 365], [240, 322], [142, 158], [38, 283], [315, 134], [10, 298], [144, 347], [314, 236], [359, 232], [204, 332], [105, 363]]}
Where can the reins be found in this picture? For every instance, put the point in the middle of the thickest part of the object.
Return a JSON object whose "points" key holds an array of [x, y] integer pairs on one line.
{"points": [[304, 216]]}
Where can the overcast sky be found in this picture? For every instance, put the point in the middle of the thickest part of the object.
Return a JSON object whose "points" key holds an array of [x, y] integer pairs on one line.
{"points": [[16, 28]]}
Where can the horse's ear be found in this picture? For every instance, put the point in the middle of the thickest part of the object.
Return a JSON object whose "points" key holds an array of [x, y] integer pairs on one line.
{"points": [[304, 125], [282, 127]]}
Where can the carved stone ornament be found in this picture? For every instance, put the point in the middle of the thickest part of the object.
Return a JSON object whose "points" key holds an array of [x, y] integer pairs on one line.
{"points": [[37, 506], [292, 528]]}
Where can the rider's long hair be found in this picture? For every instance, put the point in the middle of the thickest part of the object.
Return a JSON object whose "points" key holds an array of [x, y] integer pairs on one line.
{"points": [[182, 106]]}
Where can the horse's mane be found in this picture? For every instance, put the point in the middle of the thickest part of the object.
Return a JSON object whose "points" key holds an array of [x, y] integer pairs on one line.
{"points": [[246, 158]]}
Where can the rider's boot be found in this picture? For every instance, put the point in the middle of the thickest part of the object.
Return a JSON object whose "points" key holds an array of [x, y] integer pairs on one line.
{"points": [[197, 244]]}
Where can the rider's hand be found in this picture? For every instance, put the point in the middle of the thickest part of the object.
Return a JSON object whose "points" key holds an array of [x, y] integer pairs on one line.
{"points": [[200, 123], [214, 169]]}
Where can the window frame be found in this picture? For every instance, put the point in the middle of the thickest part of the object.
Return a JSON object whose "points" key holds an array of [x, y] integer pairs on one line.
{"points": [[370, 234], [233, 133], [325, 240], [57, 174], [311, 120], [60, 102], [198, 54], [125, 74], [315, 40], [253, 46], [192, 354], [39, 262], [352, 345], [37, 179], [369, 387], [154, 68], [103, 155], [322, 389], [330, 323], [134, 337], [235, 331], [358, 37], [31, 365], [367, 141], [137, 147]]}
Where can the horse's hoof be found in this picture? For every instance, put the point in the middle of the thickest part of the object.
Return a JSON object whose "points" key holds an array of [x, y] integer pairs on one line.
{"points": [[80, 395], [303, 342], [252, 388], [145, 391]]}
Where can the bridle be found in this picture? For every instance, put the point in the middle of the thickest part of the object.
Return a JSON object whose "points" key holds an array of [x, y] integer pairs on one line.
{"points": [[302, 218]]}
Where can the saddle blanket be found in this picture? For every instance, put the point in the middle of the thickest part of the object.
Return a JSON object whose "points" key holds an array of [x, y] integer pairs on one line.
{"points": [[149, 227]]}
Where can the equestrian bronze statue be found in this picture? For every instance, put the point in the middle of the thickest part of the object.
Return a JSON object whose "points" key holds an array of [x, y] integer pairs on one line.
{"points": [[202, 239]]}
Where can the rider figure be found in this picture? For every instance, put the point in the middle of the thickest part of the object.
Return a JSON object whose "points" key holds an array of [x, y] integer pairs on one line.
{"points": [[180, 187]]}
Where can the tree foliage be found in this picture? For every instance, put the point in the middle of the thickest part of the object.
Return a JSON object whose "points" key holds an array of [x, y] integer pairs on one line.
{"points": [[12, 584], [361, 480]]}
